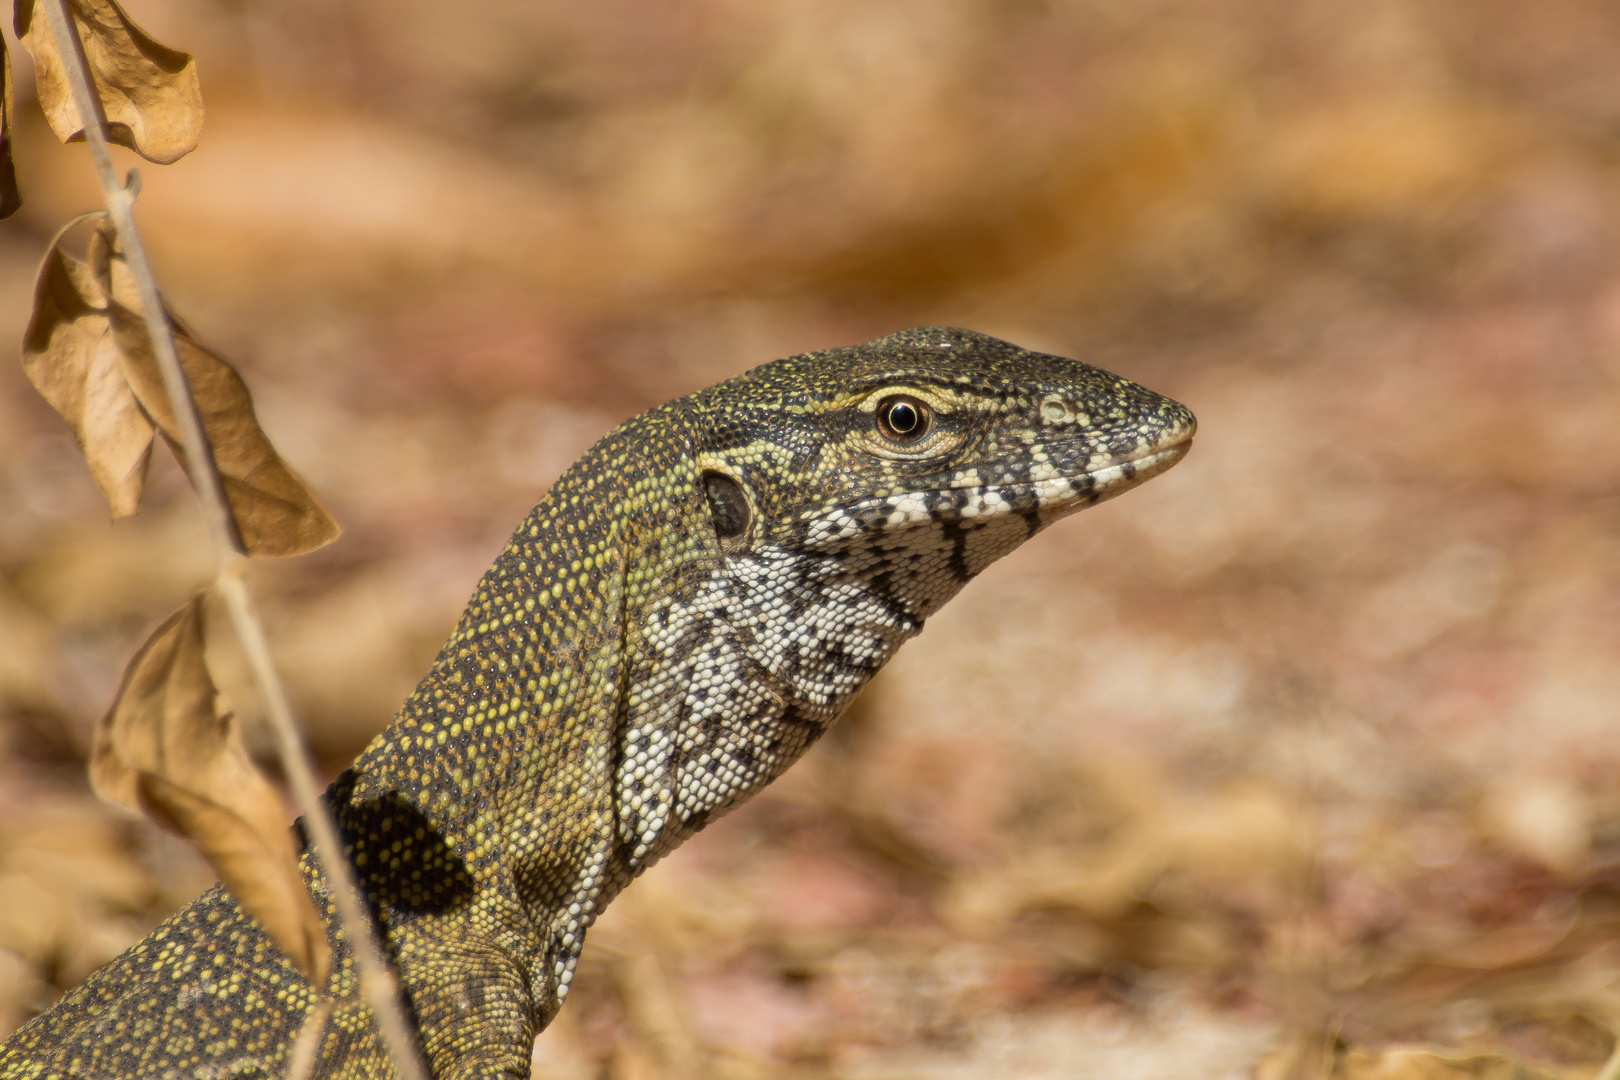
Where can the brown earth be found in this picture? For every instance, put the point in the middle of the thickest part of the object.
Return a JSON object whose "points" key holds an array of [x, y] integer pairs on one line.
{"points": [[1299, 762]]}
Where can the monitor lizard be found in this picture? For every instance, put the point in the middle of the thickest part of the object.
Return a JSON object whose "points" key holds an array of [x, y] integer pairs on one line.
{"points": [[684, 612]]}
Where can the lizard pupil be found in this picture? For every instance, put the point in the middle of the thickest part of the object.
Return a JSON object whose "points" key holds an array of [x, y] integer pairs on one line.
{"points": [[902, 419], [727, 505]]}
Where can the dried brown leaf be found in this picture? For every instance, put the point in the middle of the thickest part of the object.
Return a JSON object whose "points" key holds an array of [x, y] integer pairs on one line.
{"points": [[71, 357], [10, 197], [163, 751], [149, 92], [275, 513]]}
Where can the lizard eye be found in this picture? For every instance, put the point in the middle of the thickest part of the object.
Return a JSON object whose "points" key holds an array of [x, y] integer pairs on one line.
{"points": [[902, 419]]}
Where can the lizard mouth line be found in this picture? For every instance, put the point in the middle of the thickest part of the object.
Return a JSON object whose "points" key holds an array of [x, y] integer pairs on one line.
{"points": [[1065, 493], [1072, 492], [1062, 493], [1150, 464], [1111, 480]]}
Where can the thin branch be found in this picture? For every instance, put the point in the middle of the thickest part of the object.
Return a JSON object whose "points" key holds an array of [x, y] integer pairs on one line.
{"points": [[376, 978]]}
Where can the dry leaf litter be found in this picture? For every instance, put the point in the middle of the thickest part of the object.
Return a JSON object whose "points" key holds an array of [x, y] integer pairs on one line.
{"points": [[1298, 763]]}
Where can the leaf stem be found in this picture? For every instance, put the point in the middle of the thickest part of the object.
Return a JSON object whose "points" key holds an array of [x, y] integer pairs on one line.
{"points": [[377, 980]]}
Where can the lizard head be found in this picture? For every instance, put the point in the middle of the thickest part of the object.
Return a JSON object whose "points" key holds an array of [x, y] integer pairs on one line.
{"points": [[852, 492], [923, 456], [830, 503]]}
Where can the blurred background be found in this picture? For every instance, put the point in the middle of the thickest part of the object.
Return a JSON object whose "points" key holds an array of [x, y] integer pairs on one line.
{"points": [[1293, 762]]}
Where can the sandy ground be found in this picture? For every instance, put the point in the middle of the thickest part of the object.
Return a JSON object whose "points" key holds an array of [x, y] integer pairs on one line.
{"points": [[1296, 762]]}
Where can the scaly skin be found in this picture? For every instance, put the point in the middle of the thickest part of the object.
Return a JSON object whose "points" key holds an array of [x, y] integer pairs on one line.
{"points": [[679, 618]]}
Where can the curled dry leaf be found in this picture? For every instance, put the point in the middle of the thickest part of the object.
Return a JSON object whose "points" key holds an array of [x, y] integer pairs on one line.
{"points": [[71, 357], [275, 513], [162, 750], [88, 353], [10, 197], [149, 92]]}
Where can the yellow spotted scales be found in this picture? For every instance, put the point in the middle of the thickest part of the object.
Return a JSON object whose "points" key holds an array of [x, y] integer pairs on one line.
{"points": [[680, 617]]}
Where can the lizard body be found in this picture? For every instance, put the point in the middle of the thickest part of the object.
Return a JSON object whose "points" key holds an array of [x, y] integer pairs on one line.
{"points": [[678, 619]]}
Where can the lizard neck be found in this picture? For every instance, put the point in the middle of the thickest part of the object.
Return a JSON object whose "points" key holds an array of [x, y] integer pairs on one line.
{"points": [[507, 750], [618, 681]]}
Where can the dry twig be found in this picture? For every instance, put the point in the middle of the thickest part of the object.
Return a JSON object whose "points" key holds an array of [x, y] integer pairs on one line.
{"points": [[377, 981]]}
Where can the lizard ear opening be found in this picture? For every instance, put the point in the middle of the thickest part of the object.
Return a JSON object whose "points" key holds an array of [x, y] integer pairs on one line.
{"points": [[728, 506]]}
